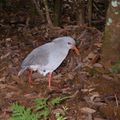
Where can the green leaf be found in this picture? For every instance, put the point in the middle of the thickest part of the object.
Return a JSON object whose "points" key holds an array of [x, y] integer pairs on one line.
{"points": [[59, 117], [44, 113], [41, 103], [21, 113], [58, 100]]}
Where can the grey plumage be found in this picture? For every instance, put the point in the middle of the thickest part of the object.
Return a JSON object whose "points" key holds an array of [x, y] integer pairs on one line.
{"points": [[48, 56], [37, 56]]}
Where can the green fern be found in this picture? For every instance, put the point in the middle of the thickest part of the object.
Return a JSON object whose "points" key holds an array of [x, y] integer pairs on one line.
{"points": [[42, 107], [58, 100], [41, 110], [44, 113], [22, 113], [41, 103]]}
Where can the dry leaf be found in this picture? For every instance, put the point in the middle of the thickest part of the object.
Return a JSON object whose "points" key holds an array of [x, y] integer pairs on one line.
{"points": [[107, 77], [9, 94], [99, 45], [98, 65], [2, 86], [5, 56], [94, 95], [2, 79], [88, 110]]}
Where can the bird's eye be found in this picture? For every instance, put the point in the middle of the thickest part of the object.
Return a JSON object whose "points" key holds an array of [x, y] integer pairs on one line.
{"points": [[69, 43]]}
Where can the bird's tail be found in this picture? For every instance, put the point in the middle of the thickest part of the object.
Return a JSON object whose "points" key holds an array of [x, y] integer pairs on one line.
{"points": [[21, 71]]}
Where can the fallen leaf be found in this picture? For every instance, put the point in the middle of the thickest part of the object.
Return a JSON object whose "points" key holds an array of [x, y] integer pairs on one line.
{"points": [[2, 86], [94, 95], [9, 94], [2, 79], [99, 45], [8, 39], [107, 77], [98, 65], [5, 56], [87, 110]]}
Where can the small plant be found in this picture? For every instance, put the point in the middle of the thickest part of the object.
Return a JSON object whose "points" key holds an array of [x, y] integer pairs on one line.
{"points": [[41, 109], [40, 103], [58, 100], [59, 116], [22, 113], [65, 108], [116, 67]]}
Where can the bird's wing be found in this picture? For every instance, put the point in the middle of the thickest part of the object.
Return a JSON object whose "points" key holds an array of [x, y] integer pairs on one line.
{"points": [[38, 56]]}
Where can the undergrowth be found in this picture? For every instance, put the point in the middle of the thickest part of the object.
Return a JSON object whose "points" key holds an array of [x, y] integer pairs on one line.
{"points": [[41, 110]]}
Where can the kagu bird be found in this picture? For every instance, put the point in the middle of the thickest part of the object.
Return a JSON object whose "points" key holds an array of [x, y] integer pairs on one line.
{"points": [[48, 57]]}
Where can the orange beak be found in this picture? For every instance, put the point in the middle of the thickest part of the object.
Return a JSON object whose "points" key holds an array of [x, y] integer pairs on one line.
{"points": [[76, 50]]}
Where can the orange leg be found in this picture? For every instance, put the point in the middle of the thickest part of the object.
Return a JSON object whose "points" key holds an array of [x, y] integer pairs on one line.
{"points": [[30, 77], [49, 79]]}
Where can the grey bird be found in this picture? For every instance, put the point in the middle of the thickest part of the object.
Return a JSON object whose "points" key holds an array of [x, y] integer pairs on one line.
{"points": [[48, 57]]}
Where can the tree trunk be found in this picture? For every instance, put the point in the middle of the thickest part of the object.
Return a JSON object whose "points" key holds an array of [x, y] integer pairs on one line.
{"points": [[57, 12], [80, 12], [111, 40]]}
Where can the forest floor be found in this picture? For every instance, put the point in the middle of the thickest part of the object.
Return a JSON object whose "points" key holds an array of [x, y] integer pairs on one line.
{"points": [[95, 90]]}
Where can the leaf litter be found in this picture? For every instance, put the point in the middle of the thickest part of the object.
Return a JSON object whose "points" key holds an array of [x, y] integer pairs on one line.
{"points": [[84, 77]]}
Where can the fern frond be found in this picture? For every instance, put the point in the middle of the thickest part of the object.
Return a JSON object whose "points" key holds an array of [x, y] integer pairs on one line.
{"points": [[41, 103], [22, 113]]}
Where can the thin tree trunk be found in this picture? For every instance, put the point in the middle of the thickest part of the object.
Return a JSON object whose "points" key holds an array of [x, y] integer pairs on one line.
{"points": [[36, 3], [47, 14], [80, 11], [57, 12], [89, 12]]}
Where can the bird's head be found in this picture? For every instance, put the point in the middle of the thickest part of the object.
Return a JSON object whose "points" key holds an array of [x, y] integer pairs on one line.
{"points": [[70, 43]]}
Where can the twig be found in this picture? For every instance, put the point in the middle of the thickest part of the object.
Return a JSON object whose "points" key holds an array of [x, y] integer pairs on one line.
{"points": [[94, 5], [74, 95], [116, 99], [27, 22], [80, 65]]}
